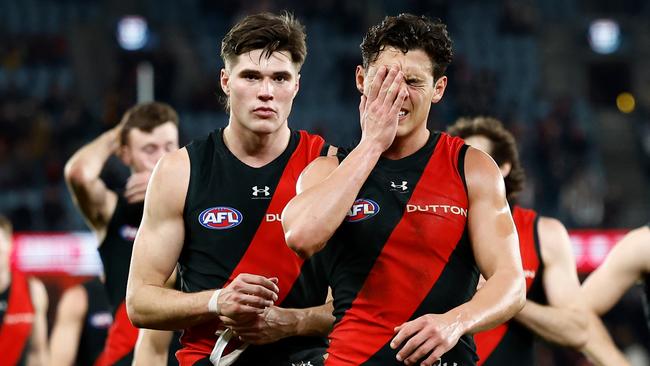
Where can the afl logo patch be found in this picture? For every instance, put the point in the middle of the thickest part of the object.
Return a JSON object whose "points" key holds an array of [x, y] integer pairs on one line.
{"points": [[362, 209], [128, 232], [220, 218]]}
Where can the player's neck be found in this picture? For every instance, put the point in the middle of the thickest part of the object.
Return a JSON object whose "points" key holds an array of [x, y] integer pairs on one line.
{"points": [[5, 279], [404, 146], [254, 149]]}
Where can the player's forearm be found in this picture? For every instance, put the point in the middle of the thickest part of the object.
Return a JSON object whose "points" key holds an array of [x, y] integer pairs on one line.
{"points": [[600, 348], [162, 308], [315, 321], [312, 217], [152, 347], [561, 325], [87, 163], [500, 298]]}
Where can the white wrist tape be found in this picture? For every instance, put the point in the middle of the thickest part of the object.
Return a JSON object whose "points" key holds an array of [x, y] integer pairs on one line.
{"points": [[213, 305]]}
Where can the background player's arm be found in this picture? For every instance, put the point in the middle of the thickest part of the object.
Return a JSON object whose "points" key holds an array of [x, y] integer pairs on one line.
{"points": [[89, 192], [152, 347], [624, 265], [326, 189], [37, 354], [156, 251], [66, 333], [495, 244], [600, 348], [563, 321]]}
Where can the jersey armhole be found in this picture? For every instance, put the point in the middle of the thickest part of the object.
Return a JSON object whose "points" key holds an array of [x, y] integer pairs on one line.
{"points": [[461, 165]]}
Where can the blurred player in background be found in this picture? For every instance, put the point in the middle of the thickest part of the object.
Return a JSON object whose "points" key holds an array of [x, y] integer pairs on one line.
{"points": [[83, 317], [146, 132], [625, 265], [551, 311], [23, 310], [409, 218], [214, 207]]}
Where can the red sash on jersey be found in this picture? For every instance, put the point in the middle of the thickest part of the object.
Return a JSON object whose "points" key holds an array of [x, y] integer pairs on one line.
{"points": [[18, 321], [488, 341], [409, 264], [268, 242], [121, 339]]}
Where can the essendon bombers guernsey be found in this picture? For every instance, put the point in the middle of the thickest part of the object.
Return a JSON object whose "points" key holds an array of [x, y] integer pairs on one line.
{"points": [[232, 226], [402, 252], [16, 320], [115, 252], [512, 343], [96, 323]]}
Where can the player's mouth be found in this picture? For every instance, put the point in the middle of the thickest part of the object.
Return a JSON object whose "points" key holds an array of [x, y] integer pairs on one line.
{"points": [[403, 113], [264, 112]]}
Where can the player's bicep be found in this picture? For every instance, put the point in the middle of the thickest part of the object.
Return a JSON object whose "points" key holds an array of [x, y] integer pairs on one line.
{"points": [[560, 277], [316, 172], [491, 229], [160, 236]]}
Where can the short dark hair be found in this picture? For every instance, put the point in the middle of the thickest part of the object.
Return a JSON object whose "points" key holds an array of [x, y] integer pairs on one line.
{"points": [[269, 32], [5, 226], [410, 32], [146, 117], [504, 147]]}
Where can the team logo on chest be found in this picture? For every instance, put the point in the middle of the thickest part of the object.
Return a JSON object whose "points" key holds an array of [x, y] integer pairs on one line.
{"points": [[403, 188], [362, 209], [128, 232], [261, 192], [220, 218]]}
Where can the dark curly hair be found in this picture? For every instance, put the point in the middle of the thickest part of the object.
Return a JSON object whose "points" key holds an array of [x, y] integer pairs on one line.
{"points": [[269, 32], [410, 32], [504, 147]]}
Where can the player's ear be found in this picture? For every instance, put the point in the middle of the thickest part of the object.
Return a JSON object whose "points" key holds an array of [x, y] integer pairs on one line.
{"points": [[505, 169], [439, 87], [360, 77], [223, 79]]}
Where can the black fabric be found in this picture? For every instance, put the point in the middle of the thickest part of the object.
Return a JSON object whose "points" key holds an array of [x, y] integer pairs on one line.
{"points": [[96, 323], [115, 250], [219, 179]]}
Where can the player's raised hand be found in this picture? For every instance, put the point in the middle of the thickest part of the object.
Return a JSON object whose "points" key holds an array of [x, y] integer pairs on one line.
{"points": [[136, 186], [247, 296], [380, 105]]}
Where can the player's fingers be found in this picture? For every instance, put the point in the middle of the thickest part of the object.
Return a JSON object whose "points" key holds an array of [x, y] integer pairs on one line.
{"points": [[387, 83], [259, 280], [434, 357], [399, 101], [362, 105], [406, 331], [375, 85], [406, 352], [394, 90]]}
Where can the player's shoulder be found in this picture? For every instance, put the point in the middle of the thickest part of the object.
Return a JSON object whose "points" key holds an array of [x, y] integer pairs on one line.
{"points": [[554, 238], [481, 172], [174, 163]]}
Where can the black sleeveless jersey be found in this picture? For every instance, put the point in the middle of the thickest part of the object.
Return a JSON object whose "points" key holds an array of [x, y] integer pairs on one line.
{"points": [[232, 226], [98, 320], [115, 250], [402, 252]]}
